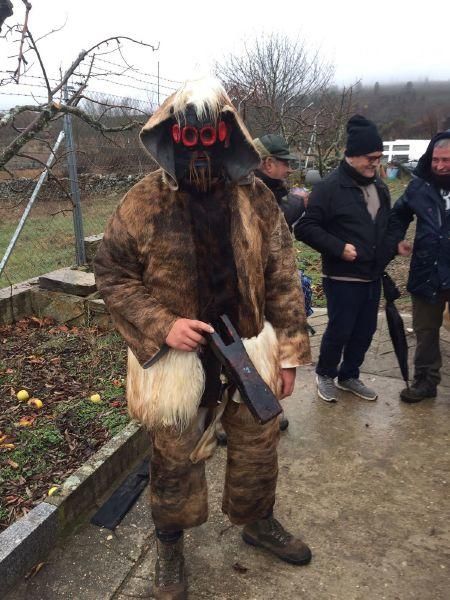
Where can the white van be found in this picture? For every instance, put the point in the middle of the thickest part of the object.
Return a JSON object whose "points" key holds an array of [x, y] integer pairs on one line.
{"points": [[404, 150]]}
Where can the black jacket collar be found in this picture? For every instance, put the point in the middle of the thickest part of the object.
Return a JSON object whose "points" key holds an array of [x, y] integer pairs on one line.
{"points": [[346, 181]]}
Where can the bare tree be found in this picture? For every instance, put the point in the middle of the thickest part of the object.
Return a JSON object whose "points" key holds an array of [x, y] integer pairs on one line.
{"points": [[327, 139], [275, 81], [67, 93]]}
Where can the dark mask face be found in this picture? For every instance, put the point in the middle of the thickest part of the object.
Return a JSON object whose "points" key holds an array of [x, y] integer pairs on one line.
{"points": [[199, 147]]}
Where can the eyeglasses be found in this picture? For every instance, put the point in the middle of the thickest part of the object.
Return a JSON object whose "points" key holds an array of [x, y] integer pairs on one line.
{"points": [[373, 159], [208, 135]]}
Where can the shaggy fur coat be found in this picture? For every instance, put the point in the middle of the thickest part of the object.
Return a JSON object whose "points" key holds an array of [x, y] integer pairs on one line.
{"points": [[146, 272]]}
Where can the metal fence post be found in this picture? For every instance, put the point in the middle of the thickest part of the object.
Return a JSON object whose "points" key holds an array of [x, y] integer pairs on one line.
{"points": [[34, 195], [74, 191]]}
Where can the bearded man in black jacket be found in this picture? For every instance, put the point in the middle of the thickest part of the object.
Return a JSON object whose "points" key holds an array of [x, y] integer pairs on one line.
{"points": [[427, 197], [346, 221]]}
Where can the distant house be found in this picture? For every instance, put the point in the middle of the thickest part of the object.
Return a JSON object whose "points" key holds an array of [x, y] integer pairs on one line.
{"points": [[404, 150]]}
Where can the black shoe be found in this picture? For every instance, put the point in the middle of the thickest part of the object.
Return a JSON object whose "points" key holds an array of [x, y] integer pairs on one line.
{"points": [[284, 423], [420, 390], [271, 535]]}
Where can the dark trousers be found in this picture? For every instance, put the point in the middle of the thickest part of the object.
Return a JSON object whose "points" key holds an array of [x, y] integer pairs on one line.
{"points": [[427, 321], [352, 321]]}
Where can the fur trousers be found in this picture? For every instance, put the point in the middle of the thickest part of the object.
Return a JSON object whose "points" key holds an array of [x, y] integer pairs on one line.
{"points": [[178, 489]]}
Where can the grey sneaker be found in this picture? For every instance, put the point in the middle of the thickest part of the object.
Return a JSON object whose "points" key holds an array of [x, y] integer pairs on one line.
{"points": [[357, 387], [326, 388]]}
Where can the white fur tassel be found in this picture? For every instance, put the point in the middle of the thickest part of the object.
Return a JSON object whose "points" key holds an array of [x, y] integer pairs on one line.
{"points": [[263, 351], [168, 393]]}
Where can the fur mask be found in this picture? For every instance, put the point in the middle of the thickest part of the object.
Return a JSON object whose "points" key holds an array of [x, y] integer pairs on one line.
{"points": [[206, 102]]}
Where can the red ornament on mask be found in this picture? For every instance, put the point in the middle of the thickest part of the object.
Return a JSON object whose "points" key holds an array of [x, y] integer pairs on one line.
{"points": [[208, 135]]}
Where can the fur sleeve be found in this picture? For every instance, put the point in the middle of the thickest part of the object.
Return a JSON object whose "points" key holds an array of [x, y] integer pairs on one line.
{"points": [[285, 303], [141, 320]]}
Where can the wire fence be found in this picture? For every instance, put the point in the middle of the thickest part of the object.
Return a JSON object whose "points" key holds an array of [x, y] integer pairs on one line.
{"points": [[106, 166]]}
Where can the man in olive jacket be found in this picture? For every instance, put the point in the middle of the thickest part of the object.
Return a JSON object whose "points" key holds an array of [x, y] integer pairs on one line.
{"points": [[346, 221], [277, 163]]}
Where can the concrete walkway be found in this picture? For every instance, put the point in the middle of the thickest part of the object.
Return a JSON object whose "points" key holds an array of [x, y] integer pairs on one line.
{"points": [[366, 484]]}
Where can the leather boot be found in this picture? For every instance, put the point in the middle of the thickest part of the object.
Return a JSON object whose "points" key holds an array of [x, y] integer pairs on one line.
{"points": [[170, 578], [419, 390], [271, 535]]}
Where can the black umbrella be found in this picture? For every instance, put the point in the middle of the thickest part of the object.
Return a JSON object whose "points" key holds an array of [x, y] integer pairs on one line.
{"points": [[396, 326]]}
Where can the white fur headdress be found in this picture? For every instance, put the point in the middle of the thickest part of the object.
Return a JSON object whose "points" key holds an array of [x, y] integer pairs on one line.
{"points": [[207, 96]]}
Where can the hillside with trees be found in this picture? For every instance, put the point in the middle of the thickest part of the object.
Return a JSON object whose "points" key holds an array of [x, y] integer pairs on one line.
{"points": [[407, 110]]}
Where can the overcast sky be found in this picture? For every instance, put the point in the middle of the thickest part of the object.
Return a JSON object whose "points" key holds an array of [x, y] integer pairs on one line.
{"points": [[372, 41]]}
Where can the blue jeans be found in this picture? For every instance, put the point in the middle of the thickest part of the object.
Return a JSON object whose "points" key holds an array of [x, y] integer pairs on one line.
{"points": [[352, 321]]}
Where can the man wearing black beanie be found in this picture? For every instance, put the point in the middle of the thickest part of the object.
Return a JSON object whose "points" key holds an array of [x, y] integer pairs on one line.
{"points": [[346, 221]]}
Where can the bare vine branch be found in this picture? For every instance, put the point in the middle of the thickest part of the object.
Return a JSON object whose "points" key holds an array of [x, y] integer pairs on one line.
{"points": [[43, 113]]}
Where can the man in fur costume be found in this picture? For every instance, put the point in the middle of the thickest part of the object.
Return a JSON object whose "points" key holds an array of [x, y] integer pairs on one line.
{"points": [[198, 238]]}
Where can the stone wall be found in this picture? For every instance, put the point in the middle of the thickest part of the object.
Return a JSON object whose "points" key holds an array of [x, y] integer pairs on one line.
{"points": [[89, 184]]}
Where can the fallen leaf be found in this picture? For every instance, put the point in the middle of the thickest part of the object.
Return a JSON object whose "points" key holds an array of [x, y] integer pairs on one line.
{"points": [[26, 421], [36, 360], [7, 446], [13, 464], [12, 499], [69, 441], [38, 321], [35, 570]]}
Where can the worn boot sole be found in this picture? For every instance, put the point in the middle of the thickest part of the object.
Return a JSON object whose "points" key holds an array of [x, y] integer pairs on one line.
{"points": [[326, 398], [369, 398], [170, 593], [254, 542], [410, 400]]}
